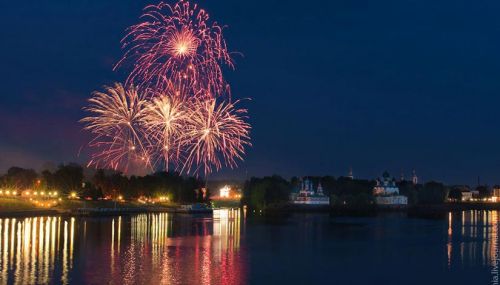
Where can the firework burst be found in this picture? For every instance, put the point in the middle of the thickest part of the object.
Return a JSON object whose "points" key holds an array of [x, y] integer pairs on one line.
{"points": [[164, 123], [182, 122], [177, 42], [216, 134], [116, 126]]}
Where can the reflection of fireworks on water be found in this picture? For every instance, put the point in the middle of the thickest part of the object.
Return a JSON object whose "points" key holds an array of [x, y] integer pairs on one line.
{"points": [[216, 134], [177, 42], [116, 125]]}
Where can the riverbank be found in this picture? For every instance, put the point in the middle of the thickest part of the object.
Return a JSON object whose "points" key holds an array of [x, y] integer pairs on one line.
{"points": [[370, 210], [11, 207], [23, 208]]}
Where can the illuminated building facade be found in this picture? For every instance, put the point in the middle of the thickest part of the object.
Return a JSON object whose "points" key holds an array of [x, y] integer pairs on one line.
{"points": [[224, 192], [386, 192], [308, 196]]}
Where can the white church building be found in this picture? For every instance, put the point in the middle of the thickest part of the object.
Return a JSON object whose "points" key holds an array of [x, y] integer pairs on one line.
{"points": [[386, 192]]}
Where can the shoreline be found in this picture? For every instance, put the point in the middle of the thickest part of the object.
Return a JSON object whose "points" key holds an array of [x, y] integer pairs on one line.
{"points": [[84, 212], [413, 210]]}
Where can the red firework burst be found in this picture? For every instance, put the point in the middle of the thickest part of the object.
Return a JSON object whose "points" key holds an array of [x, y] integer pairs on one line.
{"points": [[177, 42]]}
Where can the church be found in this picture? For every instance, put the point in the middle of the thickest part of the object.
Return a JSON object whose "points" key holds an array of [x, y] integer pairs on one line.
{"points": [[308, 196], [386, 192]]}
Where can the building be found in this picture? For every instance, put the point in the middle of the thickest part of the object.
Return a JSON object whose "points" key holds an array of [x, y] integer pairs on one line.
{"points": [[308, 196], [350, 175], [466, 196], [386, 192], [224, 192], [228, 192], [496, 191], [385, 186], [414, 178]]}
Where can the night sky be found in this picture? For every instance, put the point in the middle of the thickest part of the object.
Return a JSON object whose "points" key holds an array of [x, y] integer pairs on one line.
{"points": [[376, 85]]}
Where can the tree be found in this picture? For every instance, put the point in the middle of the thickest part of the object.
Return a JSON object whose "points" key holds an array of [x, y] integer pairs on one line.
{"points": [[433, 193], [20, 178], [69, 178], [410, 190], [91, 191], [484, 191], [455, 193], [261, 193]]}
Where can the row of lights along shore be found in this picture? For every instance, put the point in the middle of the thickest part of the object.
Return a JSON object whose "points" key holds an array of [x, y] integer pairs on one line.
{"points": [[51, 198]]}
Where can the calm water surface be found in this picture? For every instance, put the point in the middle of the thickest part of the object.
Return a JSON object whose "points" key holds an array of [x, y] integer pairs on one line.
{"points": [[229, 248]]}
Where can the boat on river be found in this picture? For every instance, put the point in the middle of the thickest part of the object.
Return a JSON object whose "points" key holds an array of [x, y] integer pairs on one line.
{"points": [[197, 208]]}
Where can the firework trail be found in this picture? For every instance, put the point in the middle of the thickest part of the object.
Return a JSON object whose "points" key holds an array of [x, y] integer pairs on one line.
{"points": [[177, 43], [216, 134], [115, 124]]}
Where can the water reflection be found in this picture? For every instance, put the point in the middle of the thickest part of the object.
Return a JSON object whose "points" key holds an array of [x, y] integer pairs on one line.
{"points": [[472, 238], [147, 249], [181, 249], [30, 250]]}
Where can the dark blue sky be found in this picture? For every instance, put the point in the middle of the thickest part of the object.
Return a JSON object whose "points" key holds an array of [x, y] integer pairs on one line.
{"points": [[374, 85]]}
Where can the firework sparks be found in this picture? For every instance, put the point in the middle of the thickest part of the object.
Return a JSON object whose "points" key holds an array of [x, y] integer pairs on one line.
{"points": [[164, 122], [116, 125], [177, 43], [216, 134], [178, 55]]}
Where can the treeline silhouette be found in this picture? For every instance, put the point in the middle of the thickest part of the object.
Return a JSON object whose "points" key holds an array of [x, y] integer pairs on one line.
{"points": [[95, 184], [274, 191]]}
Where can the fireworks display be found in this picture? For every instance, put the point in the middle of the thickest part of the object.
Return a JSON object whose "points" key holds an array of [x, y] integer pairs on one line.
{"points": [[116, 124], [215, 133], [172, 112], [164, 122], [177, 43]]}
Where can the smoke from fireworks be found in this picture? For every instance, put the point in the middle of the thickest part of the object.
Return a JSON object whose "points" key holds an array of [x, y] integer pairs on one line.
{"points": [[177, 43]]}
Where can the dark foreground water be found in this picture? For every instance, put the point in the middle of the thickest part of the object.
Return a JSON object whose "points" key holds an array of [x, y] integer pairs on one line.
{"points": [[229, 248]]}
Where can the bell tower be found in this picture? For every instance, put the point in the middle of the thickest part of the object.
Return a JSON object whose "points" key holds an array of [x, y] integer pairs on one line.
{"points": [[351, 176], [414, 178]]}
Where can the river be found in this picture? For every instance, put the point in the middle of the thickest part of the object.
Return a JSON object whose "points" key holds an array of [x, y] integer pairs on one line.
{"points": [[233, 248]]}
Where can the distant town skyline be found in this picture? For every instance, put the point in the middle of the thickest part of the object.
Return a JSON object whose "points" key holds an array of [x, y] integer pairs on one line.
{"points": [[379, 86]]}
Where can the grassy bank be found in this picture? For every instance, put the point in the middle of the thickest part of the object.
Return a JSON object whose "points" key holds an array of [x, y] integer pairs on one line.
{"points": [[23, 207], [13, 204]]}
